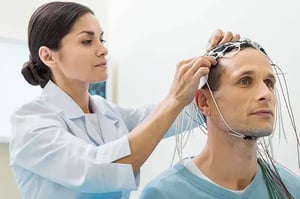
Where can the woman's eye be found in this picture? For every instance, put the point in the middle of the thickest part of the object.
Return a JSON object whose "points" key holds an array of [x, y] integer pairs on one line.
{"points": [[86, 42], [246, 81], [102, 41]]}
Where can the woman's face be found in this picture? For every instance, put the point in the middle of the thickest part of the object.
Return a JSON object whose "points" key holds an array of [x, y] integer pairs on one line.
{"points": [[81, 57]]}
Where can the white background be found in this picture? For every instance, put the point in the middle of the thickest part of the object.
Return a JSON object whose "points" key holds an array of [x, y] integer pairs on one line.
{"points": [[148, 38]]}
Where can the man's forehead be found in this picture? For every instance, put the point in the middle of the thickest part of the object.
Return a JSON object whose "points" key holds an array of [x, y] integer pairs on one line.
{"points": [[248, 59]]}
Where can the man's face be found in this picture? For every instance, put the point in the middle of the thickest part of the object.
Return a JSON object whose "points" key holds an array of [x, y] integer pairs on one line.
{"points": [[246, 94]]}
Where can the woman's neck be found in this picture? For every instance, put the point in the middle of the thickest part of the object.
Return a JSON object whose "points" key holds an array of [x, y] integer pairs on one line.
{"points": [[78, 92]]}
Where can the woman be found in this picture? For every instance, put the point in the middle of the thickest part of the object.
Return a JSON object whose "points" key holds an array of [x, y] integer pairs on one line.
{"points": [[69, 144]]}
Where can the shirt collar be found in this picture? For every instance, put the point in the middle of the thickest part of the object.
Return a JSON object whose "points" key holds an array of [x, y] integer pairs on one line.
{"points": [[103, 108], [61, 101]]}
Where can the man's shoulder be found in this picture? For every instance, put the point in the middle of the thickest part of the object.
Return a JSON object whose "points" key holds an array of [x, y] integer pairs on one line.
{"points": [[288, 175], [165, 184], [290, 179], [167, 176]]}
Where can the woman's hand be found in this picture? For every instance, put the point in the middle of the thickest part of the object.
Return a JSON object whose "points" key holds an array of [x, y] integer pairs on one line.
{"points": [[221, 37], [189, 72], [187, 77]]}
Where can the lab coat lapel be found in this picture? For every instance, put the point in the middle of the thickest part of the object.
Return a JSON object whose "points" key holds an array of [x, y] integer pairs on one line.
{"points": [[70, 111], [108, 120], [75, 130], [94, 129], [109, 130]]}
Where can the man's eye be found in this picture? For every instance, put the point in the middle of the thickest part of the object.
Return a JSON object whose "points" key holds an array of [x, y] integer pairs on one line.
{"points": [[269, 83], [244, 82]]}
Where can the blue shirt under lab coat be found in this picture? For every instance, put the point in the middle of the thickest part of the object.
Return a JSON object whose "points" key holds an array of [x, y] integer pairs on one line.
{"points": [[58, 151]]}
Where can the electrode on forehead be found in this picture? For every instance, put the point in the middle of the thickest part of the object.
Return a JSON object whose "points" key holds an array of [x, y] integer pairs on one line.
{"points": [[230, 49]]}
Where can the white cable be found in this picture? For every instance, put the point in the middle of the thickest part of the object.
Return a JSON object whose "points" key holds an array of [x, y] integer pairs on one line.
{"points": [[233, 133]]}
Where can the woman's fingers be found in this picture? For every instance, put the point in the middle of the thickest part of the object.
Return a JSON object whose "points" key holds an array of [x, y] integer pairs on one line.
{"points": [[220, 37], [214, 39], [188, 75], [201, 65]]}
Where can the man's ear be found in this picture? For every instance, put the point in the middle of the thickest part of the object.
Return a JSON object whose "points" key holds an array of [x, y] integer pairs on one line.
{"points": [[201, 98], [46, 56]]}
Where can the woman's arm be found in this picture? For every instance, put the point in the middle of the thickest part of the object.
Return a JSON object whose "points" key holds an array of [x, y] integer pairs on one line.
{"points": [[144, 138]]}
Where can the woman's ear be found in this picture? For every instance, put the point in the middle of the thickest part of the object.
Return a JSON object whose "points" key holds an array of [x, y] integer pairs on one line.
{"points": [[46, 56], [201, 101]]}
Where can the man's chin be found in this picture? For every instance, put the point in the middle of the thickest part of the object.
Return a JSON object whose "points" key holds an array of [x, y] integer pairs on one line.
{"points": [[258, 133], [261, 134]]}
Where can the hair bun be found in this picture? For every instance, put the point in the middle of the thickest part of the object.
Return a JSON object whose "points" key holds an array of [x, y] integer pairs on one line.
{"points": [[28, 73]]}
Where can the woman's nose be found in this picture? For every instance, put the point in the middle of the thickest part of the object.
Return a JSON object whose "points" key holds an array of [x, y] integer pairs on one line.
{"points": [[101, 50]]}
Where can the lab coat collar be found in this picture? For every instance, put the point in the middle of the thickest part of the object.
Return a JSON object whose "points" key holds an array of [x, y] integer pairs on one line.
{"points": [[102, 108], [61, 101]]}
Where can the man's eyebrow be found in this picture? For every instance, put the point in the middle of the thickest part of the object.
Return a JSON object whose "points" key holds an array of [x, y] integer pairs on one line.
{"points": [[242, 73], [250, 72], [272, 76]]}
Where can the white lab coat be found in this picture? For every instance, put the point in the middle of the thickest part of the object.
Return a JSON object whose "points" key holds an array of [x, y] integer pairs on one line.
{"points": [[58, 151]]}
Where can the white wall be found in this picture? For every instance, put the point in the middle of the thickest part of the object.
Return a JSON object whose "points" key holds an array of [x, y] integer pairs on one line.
{"points": [[148, 38], [14, 15]]}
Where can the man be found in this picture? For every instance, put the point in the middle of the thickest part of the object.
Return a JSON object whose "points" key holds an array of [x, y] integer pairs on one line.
{"points": [[238, 102]]}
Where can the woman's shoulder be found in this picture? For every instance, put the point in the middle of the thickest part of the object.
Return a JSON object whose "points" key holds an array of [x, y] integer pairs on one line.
{"points": [[35, 106]]}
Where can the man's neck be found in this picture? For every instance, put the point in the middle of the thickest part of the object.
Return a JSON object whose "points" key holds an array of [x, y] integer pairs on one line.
{"points": [[231, 163]]}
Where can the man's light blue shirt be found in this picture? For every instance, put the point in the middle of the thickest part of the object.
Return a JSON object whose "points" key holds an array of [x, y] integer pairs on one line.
{"points": [[178, 183]]}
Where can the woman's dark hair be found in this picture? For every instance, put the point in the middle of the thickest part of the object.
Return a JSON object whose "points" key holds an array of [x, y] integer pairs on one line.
{"points": [[47, 26]]}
